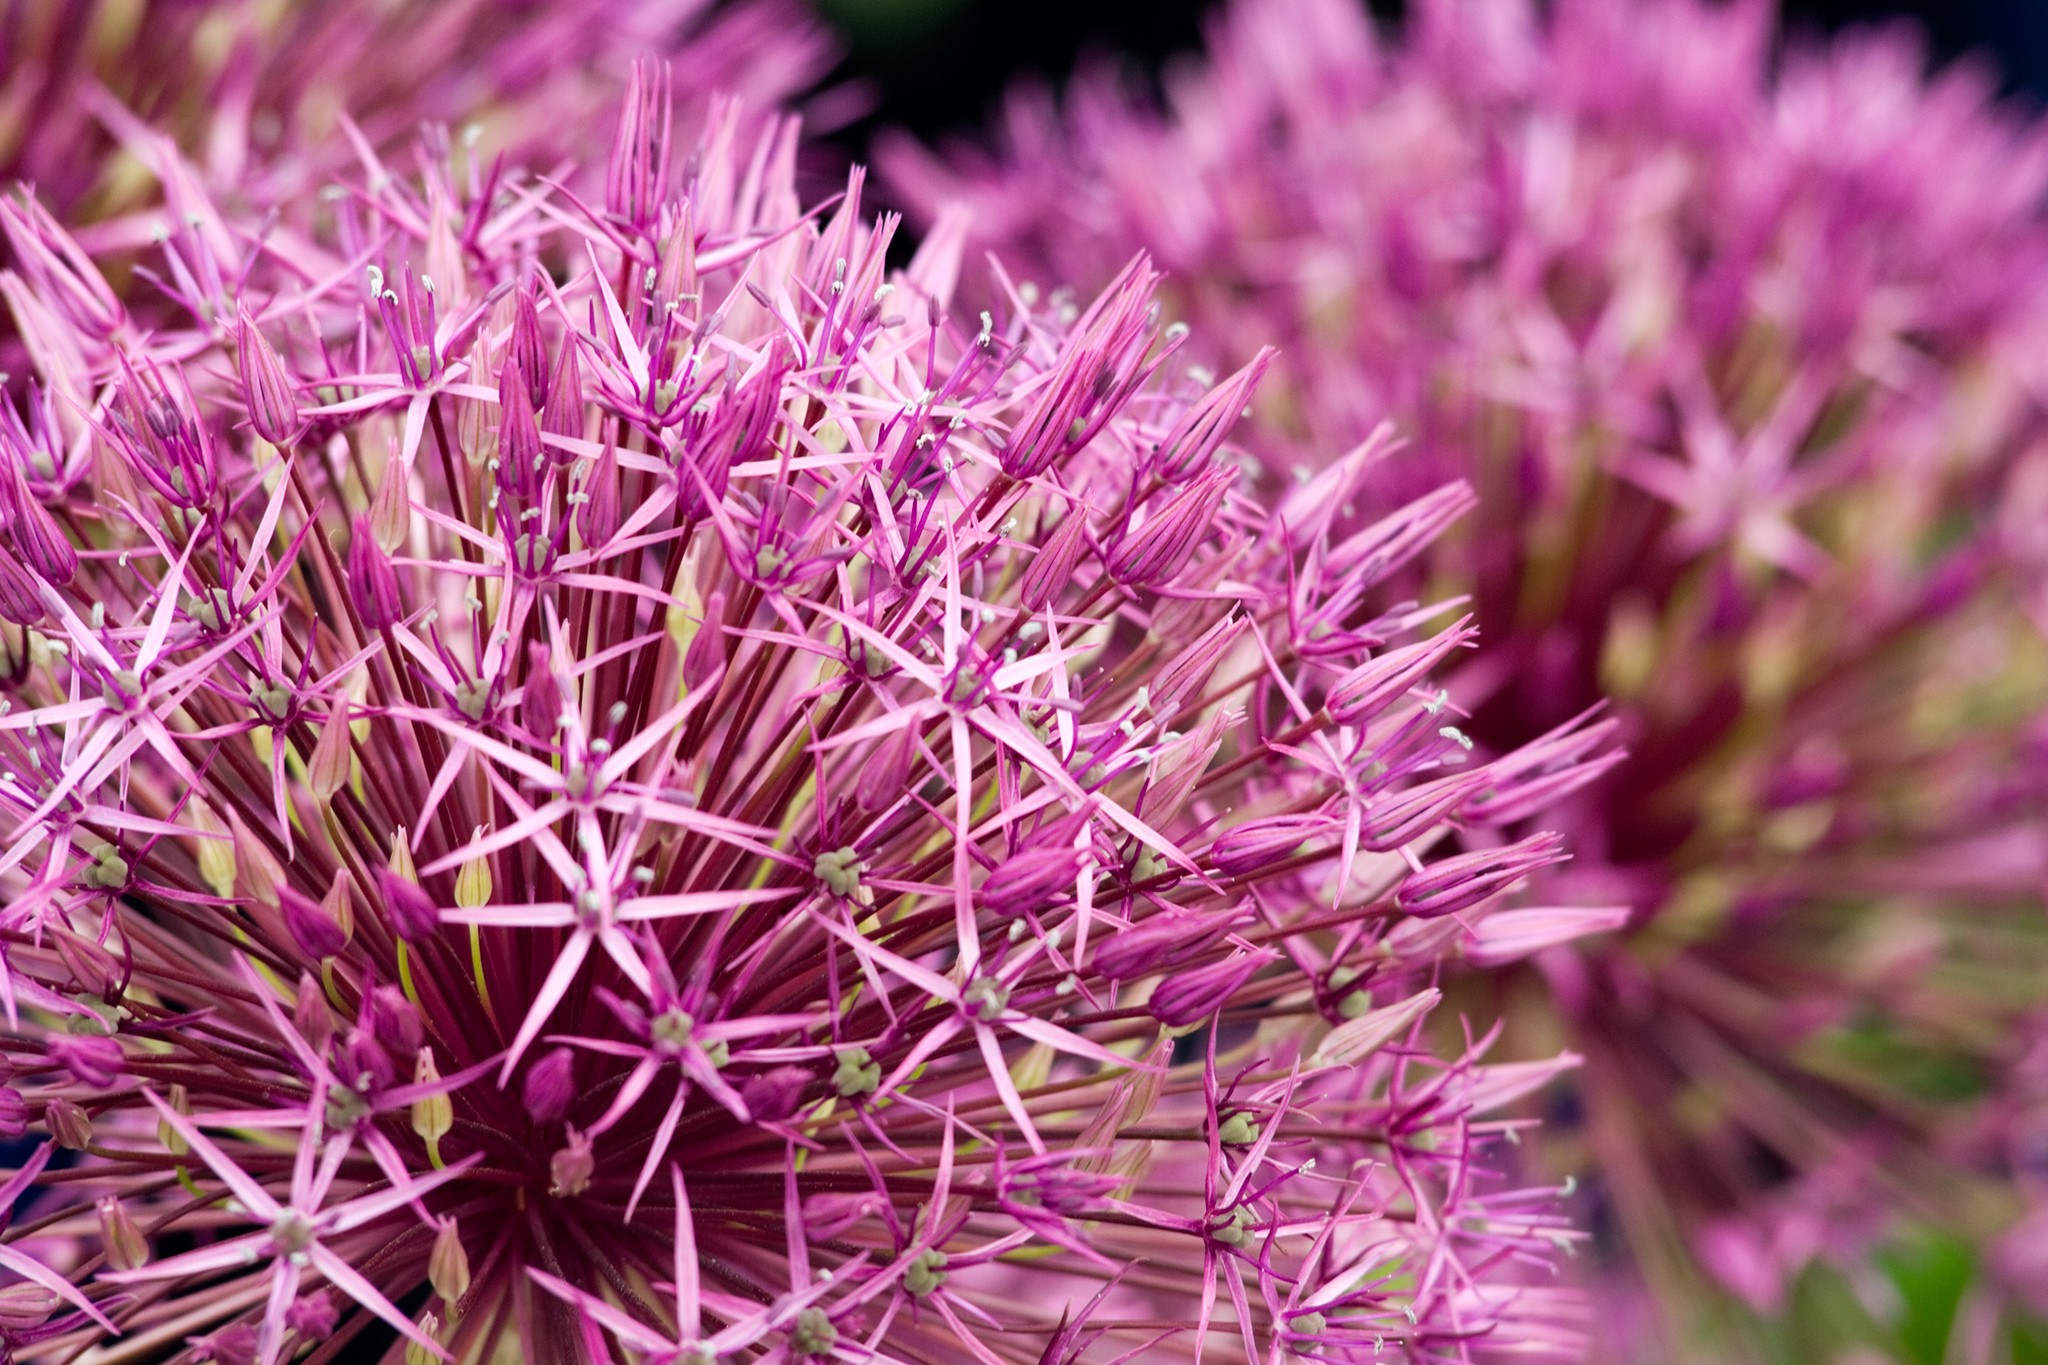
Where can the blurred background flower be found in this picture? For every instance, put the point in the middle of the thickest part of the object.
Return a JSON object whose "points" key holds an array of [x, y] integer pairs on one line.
{"points": [[1738, 339]]}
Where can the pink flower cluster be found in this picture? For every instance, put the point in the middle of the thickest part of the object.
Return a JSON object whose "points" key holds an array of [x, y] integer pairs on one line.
{"points": [[1739, 342], [589, 779]]}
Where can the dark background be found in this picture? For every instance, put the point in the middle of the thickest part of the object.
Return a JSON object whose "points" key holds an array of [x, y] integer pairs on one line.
{"points": [[940, 66]]}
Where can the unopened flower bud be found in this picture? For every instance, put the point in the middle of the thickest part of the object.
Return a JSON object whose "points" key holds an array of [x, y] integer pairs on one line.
{"points": [[415, 1353], [315, 931], [395, 1021], [25, 1306], [13, 1112], [236, 1345], [168, 1137], [266, 388], [597, 521], [883, 778], [1373, 686], [1394, 818], [1052, 568], [1189, 997], [94, 1059], [433, 1115], [333, 759], [1161, 941], [562, 405], [93, 970], [540, 704], [41, 544], [706, 654], [69, 1125], [529, 348], [372, 582], [20, 599], [1259, 844], [775, 1095], [125, 1245], [1452, 884], [473, 879], [258, 874], [391, 509], [409, 910], [1162, 546], [448, 1264], [313, 1316], [569, 1170], [310, 1016], [1031, 879], [550, 1086]]}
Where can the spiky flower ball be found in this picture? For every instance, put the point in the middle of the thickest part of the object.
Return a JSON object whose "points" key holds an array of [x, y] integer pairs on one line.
{"points": [[1741, 352], [257, 94], [651, 793]]}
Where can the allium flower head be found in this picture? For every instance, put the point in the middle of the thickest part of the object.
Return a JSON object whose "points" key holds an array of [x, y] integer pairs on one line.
{"points": [[636, 796], [257, 95], [1738, 343]]}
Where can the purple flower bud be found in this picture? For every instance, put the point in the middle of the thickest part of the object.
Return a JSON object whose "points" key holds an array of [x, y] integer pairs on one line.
{"points": [[1162, 941], [313, 1316], [13, 1112], [570, 1168], [95, 1060], [372, 582], [706, 654], [1030, 879], [310, 1014], [885, 776], [310, 926], [41, 544], [93, 969], [411, 911], [597, 520], [636, 181], [1052, 568], [1184, 998], [540, 705], [20, 600], [25, 1306], [1394, 818], [550, 1086], [1193, 441], [1162, 546], [125, 1245], [1259, 844], [1543, 771], [66, 275], [1387, 544], [365, 1065], [1102, 361], [395, 1021], [266, 388], [775, 1095], [1452, 884], [1182, 680], [529, 348], [519, 452], [236, 1345], [562, 411], [1377, 684], [1511, 935]]}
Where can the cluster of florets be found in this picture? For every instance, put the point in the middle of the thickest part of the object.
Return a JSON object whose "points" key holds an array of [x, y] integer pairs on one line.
{"points": [[649, 789], [267, 99], [1739, 346]]}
